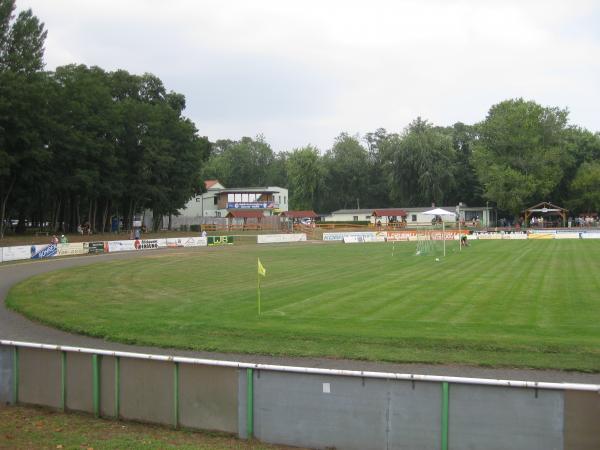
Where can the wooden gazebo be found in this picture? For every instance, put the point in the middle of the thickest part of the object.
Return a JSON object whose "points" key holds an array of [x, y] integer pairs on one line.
{"points": [[394, 216], [545, 209]]}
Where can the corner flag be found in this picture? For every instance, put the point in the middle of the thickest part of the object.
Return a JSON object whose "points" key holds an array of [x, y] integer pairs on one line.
{"points": [[261, 269]]}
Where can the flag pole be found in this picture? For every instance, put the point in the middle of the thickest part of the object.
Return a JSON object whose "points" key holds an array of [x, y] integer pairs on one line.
{"points": [[258, 291]]}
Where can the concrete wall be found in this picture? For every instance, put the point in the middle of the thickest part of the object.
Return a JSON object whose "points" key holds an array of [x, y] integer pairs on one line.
{"points": [[308, 410], [6, 375]]}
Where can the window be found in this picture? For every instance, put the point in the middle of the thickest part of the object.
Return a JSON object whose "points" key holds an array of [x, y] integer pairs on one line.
{"points": [[245, 198], [215, 200], [217, 213], [251, 197], [355, 218], [368, 217], [413, 217], [230, 198], [238, 197], [284, 199]]}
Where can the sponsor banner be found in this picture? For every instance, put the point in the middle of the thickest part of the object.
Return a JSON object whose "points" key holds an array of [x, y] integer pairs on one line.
{"points": [[440, 236], [540, 231], [16, 253], [541, 236], [590, 235], [186, 242], [220, 240], [96, 247], [122, 246], [43, 251], [250, 205], [149, 244], [570, 235], [363, 239], [489, 236], [340, 236], [278, 238], [75, 248], [515, 236]]}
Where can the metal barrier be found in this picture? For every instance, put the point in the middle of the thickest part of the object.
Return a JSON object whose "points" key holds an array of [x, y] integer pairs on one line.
{"points": [[303, 406]]}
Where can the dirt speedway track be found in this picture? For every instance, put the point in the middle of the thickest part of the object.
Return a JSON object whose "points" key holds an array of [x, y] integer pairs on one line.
{"points": [[15, 327]]}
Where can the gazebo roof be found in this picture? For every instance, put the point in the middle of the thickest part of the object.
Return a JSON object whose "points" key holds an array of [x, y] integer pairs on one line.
{"points": [[545, 207], [245, 214], [300, 214], [389, 212]]}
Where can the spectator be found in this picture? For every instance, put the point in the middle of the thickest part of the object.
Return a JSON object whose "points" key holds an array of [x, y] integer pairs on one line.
{"points": [[79, 230], [137, 233], [63, 239], [54, 240]]}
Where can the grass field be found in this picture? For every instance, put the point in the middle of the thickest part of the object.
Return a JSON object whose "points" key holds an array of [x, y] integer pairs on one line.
{"points": [[36, 428], [497, 303]]}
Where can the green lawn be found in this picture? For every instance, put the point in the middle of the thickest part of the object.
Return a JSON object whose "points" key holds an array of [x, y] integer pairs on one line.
{"points": [[497, 303]]}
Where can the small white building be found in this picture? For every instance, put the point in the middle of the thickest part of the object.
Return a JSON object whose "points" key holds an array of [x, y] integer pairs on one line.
{"points": [[218, 201], [480, 215]]}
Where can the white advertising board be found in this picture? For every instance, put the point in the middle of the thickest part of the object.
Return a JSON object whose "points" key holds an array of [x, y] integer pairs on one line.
{"points": [[340, 236], [75, 248], [590, 235], [16, 253], [187, 242], [489, 236], [279, 238], [122, 246], [398, 236], [570, 235], [515, 236]]}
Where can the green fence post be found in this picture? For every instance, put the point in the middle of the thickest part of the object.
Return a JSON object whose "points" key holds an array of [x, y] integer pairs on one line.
{"points": [[445, 413], [117, 387], [250, 403], [176, 395], [63, 381], [96, 385], [16, 376]]}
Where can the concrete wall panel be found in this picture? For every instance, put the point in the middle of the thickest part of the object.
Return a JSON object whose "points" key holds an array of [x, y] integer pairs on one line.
{"points": [[6, 374], [582, 420], [107, 386], [415, 415], [147, 390], [505, 418], [208, 397], [40, 377], [79, 382], [320, 411]]}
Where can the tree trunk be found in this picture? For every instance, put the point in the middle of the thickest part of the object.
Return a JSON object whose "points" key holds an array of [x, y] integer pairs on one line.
{"points": [[170, 220], [94, 215], [4, 202], [56, 215], [105, 215]]}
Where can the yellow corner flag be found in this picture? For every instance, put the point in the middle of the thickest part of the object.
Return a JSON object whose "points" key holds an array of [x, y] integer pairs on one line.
{"points": [[261, 269]]}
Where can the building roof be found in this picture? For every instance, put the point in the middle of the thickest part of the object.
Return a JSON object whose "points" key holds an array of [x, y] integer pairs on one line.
{"points": [[210, 183], [389, 212], [353, 211], [262, 190], [300, 214], [237, 214]]}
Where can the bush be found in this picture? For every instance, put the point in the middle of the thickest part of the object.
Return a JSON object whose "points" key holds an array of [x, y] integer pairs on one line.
{"points": [[195, 228]]}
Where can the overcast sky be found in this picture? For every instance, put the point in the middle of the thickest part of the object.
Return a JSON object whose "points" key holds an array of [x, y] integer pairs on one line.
{"points": [[302, 72]]}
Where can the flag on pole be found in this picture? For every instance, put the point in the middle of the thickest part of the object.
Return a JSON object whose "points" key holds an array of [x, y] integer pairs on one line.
{"points": [[261, 269]]}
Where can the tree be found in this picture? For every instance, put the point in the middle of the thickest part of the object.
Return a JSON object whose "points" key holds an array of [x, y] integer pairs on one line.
{"points": [[22, 101], [520, 153], [585, 188], [422, 165], [345, 181], [304, 170]]}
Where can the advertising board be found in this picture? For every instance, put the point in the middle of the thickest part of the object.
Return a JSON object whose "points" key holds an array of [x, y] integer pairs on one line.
{"points": [[43, 251], [279, 238], [122, 246], [75, 248], [16, 253], [340, 235], [220, 240], [187, 242], [96, 247]]}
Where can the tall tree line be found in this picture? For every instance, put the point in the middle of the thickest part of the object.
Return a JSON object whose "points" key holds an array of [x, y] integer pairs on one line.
{"points": [[522, 153], [79, 145]]}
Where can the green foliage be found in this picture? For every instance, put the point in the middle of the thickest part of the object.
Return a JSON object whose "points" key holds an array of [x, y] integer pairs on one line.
{"points": [[305, 173], [520, 153], [585, 188]]}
